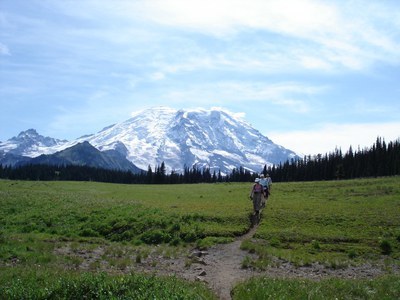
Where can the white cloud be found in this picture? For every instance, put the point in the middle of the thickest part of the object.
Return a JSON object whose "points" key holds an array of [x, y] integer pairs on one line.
{"points": [[291, 96], [314, 35], [327, 137], [227, 16], [237, 115], [157, 76], [348, 34], [316, 63]]}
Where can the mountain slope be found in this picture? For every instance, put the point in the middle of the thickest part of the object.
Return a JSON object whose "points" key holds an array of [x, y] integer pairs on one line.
{"points": [[84, 154]]}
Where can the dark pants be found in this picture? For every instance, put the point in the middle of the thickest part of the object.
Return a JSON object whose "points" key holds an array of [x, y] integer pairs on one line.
{"points": [[257, 198]]}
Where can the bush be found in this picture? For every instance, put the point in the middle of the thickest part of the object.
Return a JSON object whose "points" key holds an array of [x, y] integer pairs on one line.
{"points": [[275, 242], [386, 247], [315, 244], [210, 241], [352, 254], [175, 241], [189, 237], [155, 237], [89, 232]]}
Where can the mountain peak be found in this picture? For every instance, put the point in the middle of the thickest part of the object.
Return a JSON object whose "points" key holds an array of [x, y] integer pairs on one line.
{"points": [[29, 143], [28, 133], [215, 138], [154, 111]]}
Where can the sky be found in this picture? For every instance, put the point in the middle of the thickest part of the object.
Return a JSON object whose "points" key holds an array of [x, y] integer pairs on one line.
{"points": [[310, 75]]}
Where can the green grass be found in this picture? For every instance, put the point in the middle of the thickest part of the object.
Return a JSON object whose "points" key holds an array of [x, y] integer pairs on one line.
{"points": [[44, 285], [264, 288], [136, 213], [335, 223]]}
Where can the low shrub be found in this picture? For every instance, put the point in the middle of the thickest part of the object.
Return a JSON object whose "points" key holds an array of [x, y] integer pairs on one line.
{"points": [[386, 247], [155, 236]]}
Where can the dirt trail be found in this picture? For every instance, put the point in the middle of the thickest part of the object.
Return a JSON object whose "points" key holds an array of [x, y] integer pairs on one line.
{"points": [[220, 267]]}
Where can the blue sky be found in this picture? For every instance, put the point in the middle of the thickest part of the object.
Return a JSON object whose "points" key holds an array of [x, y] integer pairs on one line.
{"points": [[310, 75]]}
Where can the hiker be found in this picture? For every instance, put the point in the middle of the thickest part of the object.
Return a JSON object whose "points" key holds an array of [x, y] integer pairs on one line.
{"points": [[269, 180], [256, 195], [264, 183]]}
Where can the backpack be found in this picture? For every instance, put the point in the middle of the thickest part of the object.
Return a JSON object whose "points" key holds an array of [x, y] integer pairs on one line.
{"points": [[257, 188]]}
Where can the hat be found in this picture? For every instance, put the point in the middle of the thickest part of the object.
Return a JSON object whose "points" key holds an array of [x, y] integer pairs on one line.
{"points": [[257, 180], [262, 175]]}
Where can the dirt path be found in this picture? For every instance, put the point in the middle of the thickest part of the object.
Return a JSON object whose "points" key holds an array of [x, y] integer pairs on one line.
{"points": [[220, 267]]}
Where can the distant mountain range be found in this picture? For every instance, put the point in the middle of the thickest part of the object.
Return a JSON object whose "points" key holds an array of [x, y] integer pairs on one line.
{"points": [[180, 138]]}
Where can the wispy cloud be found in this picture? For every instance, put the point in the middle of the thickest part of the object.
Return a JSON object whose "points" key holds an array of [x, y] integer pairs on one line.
{"points": [[346, 34], [323, 35], [291, 96], [227, 17]]}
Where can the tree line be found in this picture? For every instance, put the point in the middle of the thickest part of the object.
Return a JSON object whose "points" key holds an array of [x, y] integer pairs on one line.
{"points": [[380, 160], [85, 173]]}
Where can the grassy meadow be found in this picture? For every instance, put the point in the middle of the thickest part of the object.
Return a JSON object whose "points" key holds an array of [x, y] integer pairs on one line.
{"points": [[333, 223], [150, 214]]}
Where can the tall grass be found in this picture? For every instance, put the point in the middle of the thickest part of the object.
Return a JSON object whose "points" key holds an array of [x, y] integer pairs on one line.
{"points": [[45, 285], [264, 288]]}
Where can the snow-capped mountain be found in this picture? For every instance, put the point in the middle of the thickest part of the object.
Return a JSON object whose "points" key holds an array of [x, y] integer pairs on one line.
{"points": [[180, 138], [29, 143]]}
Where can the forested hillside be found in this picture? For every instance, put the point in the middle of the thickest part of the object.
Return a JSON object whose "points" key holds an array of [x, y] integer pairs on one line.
{"points": [[379, 160]]}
